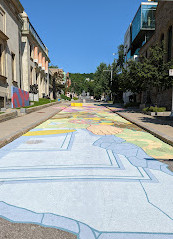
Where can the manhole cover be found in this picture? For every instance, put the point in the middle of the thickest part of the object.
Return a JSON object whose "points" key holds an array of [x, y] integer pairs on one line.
{"points": [[34, 141]]}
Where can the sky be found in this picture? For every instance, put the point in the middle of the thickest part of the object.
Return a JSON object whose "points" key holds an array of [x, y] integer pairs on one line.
{"points": [[80, 34]]}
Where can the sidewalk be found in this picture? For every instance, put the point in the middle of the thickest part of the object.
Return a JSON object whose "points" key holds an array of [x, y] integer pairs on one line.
{"points": [[14, 128], [160, 127]]}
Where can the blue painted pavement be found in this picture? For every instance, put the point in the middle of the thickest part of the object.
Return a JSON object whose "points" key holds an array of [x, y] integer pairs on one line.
{"points": [[95, 186]]}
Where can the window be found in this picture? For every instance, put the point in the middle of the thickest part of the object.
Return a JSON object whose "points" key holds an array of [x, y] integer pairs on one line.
{"points": [[13, 65], [36, 77], [31, 76], [0, 59], [2, 19], [148, 16], [169, 43], [136, 24], [31, 51]]}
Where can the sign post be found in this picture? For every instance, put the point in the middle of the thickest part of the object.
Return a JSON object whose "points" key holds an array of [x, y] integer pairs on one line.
{"points": [[171, 74]]}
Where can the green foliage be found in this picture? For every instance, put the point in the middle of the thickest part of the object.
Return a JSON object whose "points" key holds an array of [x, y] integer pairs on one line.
{"points": [[53, 66], [147, 73], [116, 87], [154, 109], [42, 101], [121, 58], [80, 84], [64, 97], [75, 98], [102, 80]]}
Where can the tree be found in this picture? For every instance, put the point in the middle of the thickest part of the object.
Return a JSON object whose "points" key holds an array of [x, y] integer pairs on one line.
{"points": [[102, 80], [79, 82], [121, 58], [53, 66], [116, 83], [148, 73]]}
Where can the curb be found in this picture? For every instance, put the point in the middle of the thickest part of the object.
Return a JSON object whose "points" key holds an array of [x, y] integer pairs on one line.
{"points": [[8, 116], [36, 108], [15, 114], [6, 140], [157, 134]]}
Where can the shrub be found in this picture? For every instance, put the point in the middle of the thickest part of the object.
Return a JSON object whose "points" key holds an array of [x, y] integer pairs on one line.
{"points": [[75, 98], [64, 97], [154, 109]]}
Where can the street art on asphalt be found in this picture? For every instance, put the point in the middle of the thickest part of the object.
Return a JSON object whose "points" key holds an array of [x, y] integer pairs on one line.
{"points": [[20, 98], [90, 172]]}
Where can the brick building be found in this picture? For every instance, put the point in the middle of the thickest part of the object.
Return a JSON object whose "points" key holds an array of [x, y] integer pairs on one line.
{"points": [[163, 31], [139, 32]]}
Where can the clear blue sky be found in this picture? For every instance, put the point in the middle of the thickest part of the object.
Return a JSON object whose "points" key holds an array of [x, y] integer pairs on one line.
{"points": [[80, 34]]}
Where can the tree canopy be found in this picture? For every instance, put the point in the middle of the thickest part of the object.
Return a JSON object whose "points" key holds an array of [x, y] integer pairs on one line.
{"points": [[81, 82]]}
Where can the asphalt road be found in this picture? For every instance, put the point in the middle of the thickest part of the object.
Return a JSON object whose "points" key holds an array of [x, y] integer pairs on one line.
{"points": [[88, 172]]}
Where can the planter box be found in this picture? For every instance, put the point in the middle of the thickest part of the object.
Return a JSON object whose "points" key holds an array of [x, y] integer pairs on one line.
{"points": [[31, 97], [36, 97], [33, 109], [166, 113]]}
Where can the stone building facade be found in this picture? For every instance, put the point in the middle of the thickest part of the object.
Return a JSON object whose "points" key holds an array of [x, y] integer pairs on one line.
{"points": [[35, 59], [10, 49], [23, 56], [163, 32]]}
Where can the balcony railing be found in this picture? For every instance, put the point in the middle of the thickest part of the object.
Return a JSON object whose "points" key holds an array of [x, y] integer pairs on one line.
{"points": [[36, 36]]}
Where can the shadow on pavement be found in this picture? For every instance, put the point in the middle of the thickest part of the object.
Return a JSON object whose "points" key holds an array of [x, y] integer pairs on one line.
{"points": [[162, 120]]}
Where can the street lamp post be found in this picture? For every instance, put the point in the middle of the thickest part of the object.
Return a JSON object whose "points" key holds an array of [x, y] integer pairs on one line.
{"points": [[111, 71], [171, 74]]}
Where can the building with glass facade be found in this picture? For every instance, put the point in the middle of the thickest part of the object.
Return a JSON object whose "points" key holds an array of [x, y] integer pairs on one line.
{"points": [[140, 30]]}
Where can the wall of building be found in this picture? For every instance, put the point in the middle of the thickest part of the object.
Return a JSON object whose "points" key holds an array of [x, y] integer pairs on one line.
{"points": [[11, 26], [17, 38], [164, 19], [34, 59]]}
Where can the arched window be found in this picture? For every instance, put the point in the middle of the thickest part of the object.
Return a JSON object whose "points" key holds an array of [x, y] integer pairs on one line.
{"points": [[169, 43]]}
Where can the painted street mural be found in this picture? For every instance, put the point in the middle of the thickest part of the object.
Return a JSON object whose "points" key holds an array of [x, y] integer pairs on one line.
{"points": [[90, 172]]}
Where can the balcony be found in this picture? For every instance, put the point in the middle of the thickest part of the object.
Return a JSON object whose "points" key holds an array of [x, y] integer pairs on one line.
{"points": [[144, 19], [143, 25]]}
